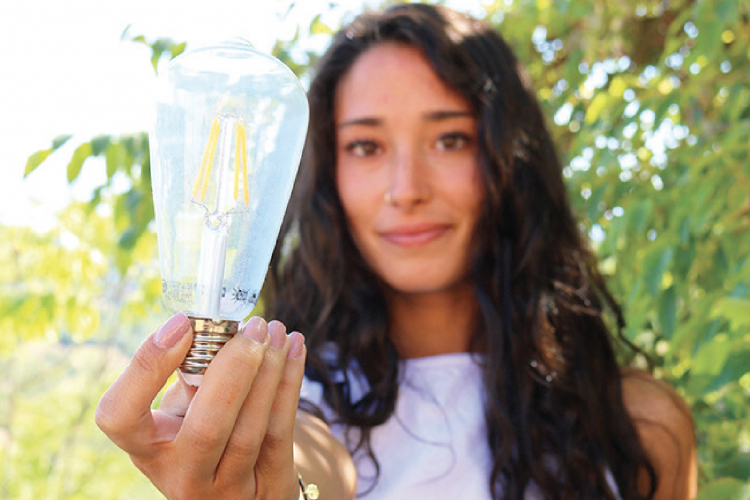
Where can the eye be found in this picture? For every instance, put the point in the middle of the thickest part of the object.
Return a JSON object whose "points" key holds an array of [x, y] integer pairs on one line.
{"points": [[452, 141], [363, 148]]}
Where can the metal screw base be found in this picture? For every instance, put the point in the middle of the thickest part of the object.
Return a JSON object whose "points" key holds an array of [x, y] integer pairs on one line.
{"points": [[208, 337]]}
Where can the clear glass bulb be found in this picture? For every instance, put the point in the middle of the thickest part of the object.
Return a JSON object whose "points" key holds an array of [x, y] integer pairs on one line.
{"points": [[225, 148]]}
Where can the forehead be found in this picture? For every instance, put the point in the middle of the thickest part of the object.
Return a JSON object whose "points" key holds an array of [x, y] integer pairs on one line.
{"points": [[392, 75]]}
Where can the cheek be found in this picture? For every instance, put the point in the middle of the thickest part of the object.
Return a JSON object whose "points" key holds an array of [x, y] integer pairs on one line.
{"points": [[479, 198], [355, 196], [345, 185], [467, 192]]}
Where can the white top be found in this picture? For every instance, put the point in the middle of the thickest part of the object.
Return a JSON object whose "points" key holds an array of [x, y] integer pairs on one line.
{"points": [[435, 445]]}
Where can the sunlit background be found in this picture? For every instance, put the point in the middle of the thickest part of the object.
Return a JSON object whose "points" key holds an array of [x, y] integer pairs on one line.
{"points": [[648, 101], [71, 67]]}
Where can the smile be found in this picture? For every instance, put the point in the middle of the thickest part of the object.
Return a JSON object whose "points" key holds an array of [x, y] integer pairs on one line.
{"points": [[414, 236]]}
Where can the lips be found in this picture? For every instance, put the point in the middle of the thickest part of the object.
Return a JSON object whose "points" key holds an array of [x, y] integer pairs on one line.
{"points": [[414, 235]]}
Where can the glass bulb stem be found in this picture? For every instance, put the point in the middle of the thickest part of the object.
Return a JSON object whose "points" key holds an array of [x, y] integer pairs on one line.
{"points": [[211, 267], [217, 219]]}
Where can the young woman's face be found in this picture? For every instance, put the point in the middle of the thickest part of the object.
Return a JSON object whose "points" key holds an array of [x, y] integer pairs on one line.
{"points": [[407, 169]]}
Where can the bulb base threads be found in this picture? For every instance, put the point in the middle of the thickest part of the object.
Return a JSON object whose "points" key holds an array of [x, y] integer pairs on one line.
{"points": [[208, 337]]}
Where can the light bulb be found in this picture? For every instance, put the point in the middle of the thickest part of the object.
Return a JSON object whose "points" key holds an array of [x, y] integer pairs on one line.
{"points": [[226, 144]]}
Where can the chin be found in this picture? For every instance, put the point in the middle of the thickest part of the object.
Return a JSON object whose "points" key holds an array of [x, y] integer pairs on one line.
{"points": [[424, 284]]}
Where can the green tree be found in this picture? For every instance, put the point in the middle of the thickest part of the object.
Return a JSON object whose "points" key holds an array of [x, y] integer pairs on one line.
{"points": [[69, 318], [650, 105]]}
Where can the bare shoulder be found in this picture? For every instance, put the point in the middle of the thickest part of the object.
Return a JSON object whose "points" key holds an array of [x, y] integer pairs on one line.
{"points": [[322, 459], [655, 400], [665, 426]]}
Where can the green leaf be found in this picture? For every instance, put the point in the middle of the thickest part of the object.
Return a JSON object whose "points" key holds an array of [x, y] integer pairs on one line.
{"points": [[133, 200], [96, 198], [128, 239], [683, 260], [728, 11], [178, 49], [736, 310], [615, 232], [737, 467], [707, 335], [737, 364], [656, 265], [113, 158], [594, 200], [725, 489], [35, 160], [123, 258], [710, 33], [58, 141], [76, 162], [718, 363], [155, 60], [668, 312], [639, 215], [99, 144], [711, 357], [685, 230], [595, 109], [318, 27]]}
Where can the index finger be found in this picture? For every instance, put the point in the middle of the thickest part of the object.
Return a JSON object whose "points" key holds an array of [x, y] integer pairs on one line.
{"points": [[213, 411], [124, 411]]}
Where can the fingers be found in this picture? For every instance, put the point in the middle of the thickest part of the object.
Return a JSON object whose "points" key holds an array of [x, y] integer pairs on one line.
{"points": [[213, 411], [172, 409], [227, 434], [124, 412], [276, 459], [177, 398], [250, 430], [284, 410]]}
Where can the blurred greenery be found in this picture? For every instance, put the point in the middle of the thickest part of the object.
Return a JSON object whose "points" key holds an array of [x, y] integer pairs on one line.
{"points": [[650, 104]]}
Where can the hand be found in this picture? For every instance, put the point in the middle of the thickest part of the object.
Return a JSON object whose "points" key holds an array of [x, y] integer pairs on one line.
{"points": [[229, 439]]}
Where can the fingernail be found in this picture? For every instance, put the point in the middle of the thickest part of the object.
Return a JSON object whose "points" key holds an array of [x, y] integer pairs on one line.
{"points": [[277, 332], [298, 344], [172, 331], [256, 329]]}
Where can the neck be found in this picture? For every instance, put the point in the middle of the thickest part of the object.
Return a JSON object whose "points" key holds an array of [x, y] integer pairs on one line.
{"points": [[429, 324]]}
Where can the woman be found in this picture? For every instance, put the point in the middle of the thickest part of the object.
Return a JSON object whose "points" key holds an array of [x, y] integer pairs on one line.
{"points": [[454, 319]]}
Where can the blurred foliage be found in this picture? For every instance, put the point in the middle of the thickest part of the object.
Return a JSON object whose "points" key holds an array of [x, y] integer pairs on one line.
{"points": [[651, 106], [69, 320], [649, 102]]}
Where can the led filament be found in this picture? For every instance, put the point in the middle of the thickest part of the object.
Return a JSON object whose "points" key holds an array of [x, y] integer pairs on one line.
{"points": [[216, 138]]}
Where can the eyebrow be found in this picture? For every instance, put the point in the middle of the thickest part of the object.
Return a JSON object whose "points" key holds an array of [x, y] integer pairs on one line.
{"points": [[436, 116], [432, 116], [369, 122]]}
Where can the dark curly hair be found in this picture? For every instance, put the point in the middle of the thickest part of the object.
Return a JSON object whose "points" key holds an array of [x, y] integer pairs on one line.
{"points": [[552, 381]]}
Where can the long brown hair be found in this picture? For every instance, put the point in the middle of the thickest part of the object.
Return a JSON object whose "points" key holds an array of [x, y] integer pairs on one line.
{"points": [[551, 377]]}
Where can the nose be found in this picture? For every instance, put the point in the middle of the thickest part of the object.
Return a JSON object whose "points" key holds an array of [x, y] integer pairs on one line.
{"points": [[409, 180]]}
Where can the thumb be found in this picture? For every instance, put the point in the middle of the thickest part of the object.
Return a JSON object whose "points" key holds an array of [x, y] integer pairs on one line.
{"points": [[160, 354], [124, 412]]}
